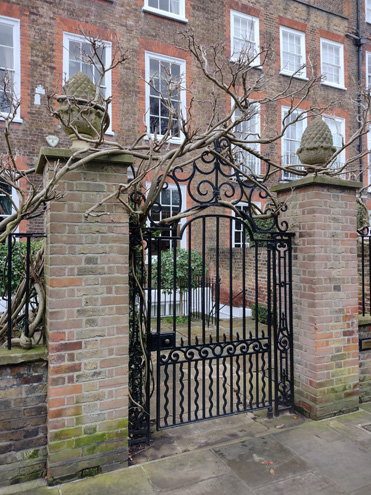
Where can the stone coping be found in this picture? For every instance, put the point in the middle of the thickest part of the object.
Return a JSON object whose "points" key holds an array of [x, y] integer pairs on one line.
{"points": [[364, 320], [17, 355], [53, 154], [320, 180]]}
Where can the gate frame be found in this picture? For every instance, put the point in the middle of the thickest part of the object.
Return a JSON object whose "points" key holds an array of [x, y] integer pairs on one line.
{"points": [[228, 184]]}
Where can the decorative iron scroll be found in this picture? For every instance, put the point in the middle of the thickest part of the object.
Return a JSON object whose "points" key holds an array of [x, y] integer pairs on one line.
{"points": [[211, 181], [283, 325], [226, 349], [138, 355]]}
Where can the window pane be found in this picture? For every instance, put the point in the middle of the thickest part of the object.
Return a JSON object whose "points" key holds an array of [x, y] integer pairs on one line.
{"points": [[164, 126], [164, 5], [176, 199], [175, 6], [291, 52], [168, 74], [164, 111], [331, 63], [154, 125], [73, 67], [88, 70], [4, 101], [175, 71], [244, 36], [6, 35], [175, 129], [75, 51], [154, 87], [5, 202], [165, 197], [154, 106], [6, 57], [153, 68]]}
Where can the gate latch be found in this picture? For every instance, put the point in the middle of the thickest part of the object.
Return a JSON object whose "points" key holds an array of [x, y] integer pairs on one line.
{"points": [[159, 341]]}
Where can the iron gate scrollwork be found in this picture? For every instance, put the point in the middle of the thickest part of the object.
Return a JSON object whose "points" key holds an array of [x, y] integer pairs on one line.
{"points": [[211, 300]]}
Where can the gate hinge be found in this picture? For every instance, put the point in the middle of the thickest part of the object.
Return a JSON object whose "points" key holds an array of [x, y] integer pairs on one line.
{"points": [[159, 341]]}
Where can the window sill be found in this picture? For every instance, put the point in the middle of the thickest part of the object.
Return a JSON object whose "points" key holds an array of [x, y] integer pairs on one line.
{"points": [[167, 15], [170, 141], [255, 65], [336, 86], [17, 120], [294, 76]]}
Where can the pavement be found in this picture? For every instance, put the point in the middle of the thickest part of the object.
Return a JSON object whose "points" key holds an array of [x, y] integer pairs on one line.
{"points": [[245, 454]]}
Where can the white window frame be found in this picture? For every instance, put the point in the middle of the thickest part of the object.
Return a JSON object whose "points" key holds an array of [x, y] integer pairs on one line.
{"points": [[368, 70], [284, 70], [183, 207], [257, 146], [235, 55], [340, 46], [340, 131], [368, 11], [165, 13], [16, 25], [287, 176], [182, 91], [67, 37], [234, 223], [15, 204]]}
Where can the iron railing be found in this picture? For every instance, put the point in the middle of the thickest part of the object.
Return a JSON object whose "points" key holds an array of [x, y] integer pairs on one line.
{"points": [[193, 303], [364, 277], [22, 270]]}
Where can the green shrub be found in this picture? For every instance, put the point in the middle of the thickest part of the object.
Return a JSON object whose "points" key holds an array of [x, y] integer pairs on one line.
{"points": [[262, 313], [18, 263]]}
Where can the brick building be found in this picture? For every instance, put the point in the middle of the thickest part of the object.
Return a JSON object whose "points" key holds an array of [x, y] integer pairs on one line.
{"points": [[41, 45], [41, 42]]}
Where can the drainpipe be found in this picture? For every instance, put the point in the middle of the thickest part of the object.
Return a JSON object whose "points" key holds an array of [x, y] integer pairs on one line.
{"points": [[358, 42]]}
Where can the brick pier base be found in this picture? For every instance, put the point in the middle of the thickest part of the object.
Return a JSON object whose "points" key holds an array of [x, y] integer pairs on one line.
{"points": [[322, 213], [86, 278]]}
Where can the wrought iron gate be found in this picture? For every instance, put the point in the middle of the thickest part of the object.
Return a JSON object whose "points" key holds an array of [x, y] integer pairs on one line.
{"points": [[211, 302]]}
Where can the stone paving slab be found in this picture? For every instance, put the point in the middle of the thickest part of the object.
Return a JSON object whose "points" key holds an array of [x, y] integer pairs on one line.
{"points": [[352, 427], [309, 483], [301, 457], [123, 482], [366, 407], [366, 490], [179, 471], [45, 490], [210, 433], [345, 462], [261, 461], [223, 485]]}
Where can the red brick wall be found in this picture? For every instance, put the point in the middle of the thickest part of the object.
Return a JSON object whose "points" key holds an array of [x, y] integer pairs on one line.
{"points": [[42, 26], [22, 421], [86, 279], [237, 275], [325, 290]]}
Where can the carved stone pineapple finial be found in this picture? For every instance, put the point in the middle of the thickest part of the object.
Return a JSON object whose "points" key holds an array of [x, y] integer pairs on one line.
{"points": [[316, 145], [79, 110]]}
